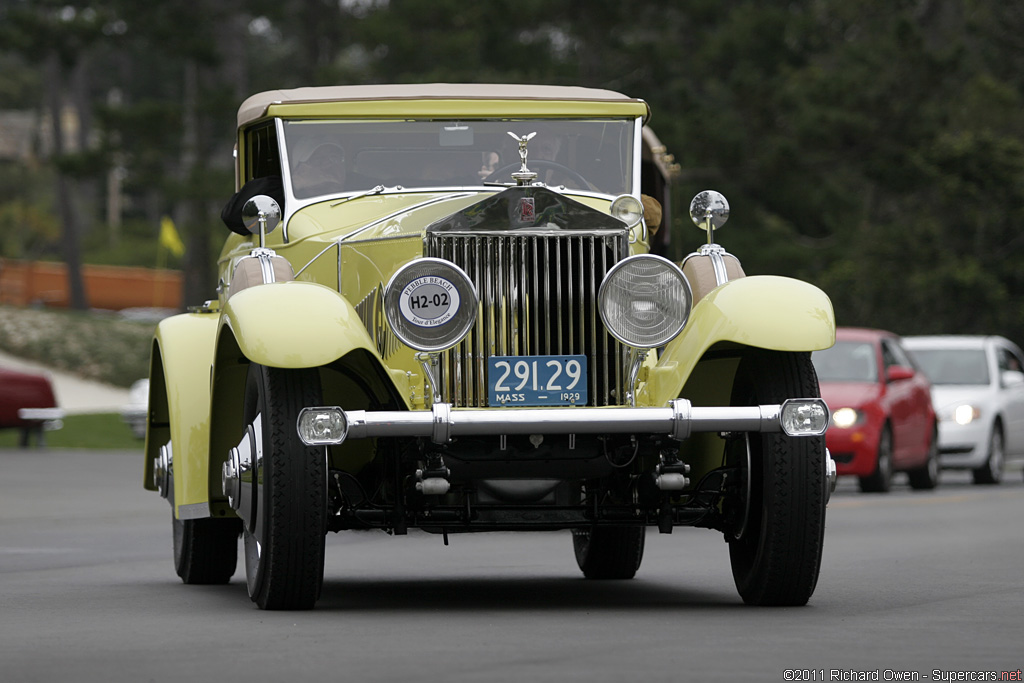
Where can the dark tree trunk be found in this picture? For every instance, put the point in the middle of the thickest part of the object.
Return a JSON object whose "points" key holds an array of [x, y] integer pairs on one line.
{"points": [[185, 213], [65, 187]]}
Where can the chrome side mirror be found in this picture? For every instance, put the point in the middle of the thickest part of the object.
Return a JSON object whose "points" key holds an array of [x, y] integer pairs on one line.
{"points": [[709, 211], [261, 215]]}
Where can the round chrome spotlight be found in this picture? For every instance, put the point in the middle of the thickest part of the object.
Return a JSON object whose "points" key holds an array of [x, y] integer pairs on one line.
{"points": [[627, 209], [431, 304], [644, 301]]}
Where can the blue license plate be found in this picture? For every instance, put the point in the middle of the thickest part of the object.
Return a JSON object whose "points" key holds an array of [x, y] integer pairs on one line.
{"points": [[537, 380]]}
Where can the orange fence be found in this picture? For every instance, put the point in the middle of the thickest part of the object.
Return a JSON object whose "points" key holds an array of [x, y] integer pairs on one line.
{"points": [[23, 283]]}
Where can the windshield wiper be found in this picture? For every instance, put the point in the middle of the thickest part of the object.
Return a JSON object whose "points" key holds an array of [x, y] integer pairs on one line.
{"points": [[377, 190]]}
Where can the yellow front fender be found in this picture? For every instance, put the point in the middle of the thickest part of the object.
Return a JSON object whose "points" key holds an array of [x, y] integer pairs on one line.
{"points": [[293, 325], [180, 406], [764, 311]]}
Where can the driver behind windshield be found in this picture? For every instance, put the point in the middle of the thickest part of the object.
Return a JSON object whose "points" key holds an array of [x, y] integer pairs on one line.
{"points": [[322, 172], [545, 147]]}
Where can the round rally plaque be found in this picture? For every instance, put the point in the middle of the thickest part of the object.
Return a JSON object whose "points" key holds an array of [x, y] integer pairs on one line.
{"points": [[429, 301]]}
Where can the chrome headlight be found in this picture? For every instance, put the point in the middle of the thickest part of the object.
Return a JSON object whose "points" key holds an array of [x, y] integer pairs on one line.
{"points": [[644, 301], [431, 304]]}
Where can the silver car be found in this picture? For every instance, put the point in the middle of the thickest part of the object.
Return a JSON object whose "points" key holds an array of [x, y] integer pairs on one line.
{"points": [[978, 394]]}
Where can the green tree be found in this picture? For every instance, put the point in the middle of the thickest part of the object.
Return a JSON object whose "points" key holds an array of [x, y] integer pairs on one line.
{"points": [[58, 38], [873, 147]]}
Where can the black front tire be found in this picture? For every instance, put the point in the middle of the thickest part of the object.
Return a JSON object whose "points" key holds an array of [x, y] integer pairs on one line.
{"points": [[992, 471], [776, 559], [284, 556], [205, 550], [609, 552], [880, 480], [926, 477]]}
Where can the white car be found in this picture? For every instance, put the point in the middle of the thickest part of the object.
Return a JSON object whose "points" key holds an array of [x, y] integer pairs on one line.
{"points": [[978, 395], [135, 412]]}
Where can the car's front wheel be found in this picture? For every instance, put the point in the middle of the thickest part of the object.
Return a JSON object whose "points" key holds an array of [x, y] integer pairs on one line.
{"points": [[991, 472], [609, 552], [880, 480], [776, 551], [284, 549], [926, 476]]}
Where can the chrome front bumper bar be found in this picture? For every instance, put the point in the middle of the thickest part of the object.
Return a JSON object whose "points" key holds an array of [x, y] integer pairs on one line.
{"points": [[329, 425]]}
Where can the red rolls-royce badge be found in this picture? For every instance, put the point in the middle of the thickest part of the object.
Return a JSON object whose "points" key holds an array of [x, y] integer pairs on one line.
{"points": [[527, 211]]}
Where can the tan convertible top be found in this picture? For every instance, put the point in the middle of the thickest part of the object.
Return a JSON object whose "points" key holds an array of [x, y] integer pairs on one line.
{"points": [[441, 99]]}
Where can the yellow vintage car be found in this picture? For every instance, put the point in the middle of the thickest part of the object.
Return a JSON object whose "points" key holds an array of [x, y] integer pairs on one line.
{"points": [[442, 307]]}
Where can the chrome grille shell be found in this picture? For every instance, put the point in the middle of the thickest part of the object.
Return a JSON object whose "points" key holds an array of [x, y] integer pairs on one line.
{"points": [[538, 296]]}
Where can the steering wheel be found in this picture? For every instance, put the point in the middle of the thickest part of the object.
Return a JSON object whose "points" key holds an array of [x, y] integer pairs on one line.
{"points": [[319, 189], [538, 164]]}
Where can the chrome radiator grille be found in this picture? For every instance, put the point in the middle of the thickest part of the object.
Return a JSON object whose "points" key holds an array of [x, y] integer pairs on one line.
{"points": [[538, 296]]}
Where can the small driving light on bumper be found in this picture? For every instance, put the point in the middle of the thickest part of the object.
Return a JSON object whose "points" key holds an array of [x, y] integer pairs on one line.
{"points": [[322, 426], [804, 417]]}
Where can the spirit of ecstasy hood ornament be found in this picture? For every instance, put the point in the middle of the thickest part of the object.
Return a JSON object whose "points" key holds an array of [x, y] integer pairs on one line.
{"points": [[523, 176]]}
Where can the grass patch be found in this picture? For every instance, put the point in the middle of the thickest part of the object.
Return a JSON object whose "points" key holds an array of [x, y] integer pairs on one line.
{"points": [[101, 430]]}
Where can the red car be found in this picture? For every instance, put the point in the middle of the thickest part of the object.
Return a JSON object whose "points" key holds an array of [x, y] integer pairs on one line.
{"points": [[27, 402], [882, 416]]}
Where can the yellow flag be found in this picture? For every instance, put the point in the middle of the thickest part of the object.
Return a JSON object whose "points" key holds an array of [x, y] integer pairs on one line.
{"points": [[169, 237]]}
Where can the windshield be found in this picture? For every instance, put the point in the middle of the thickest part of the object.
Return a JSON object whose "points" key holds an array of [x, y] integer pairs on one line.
{"points": [[332, 156], [953, 366], [846, 362]]}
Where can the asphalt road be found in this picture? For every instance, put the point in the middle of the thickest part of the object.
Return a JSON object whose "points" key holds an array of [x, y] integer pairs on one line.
{"points": [[931, 584]]}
